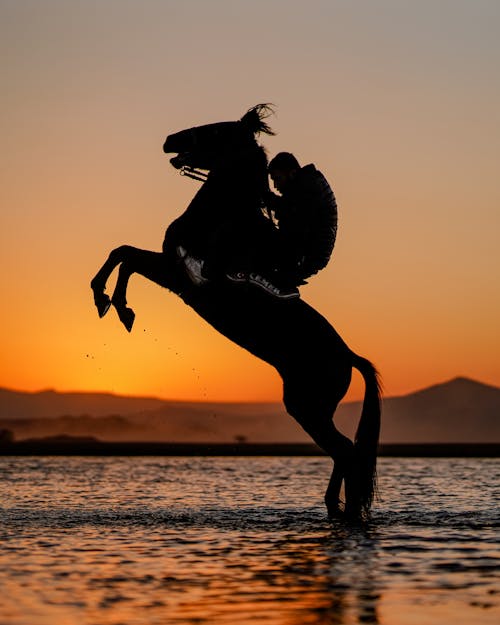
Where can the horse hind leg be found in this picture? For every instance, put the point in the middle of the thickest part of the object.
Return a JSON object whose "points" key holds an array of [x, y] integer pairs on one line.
{"points": [[334, 505], [313, 405], [340, 449], [345, 470]]}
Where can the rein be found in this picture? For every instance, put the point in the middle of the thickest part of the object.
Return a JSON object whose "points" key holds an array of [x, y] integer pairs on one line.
{"points": [[191, 172]]}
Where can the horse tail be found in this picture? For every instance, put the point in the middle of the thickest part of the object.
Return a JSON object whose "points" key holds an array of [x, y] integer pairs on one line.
{"points": [[367, 434]]}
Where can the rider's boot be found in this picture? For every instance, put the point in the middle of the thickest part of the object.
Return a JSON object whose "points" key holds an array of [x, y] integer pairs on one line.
{"points": [[193, 267]]}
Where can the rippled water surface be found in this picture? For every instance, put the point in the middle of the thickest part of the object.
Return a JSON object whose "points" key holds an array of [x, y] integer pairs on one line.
{"points": [[133, 541]]}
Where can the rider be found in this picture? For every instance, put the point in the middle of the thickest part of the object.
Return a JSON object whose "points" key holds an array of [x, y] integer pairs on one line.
{"points": [[296, 243], [306, 212]]}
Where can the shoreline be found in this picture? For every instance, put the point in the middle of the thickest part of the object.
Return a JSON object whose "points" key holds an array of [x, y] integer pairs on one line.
{"points": [[68, 447]]}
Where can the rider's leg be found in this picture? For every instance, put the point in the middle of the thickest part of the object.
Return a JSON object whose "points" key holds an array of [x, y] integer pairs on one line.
{"points": [[255, 258], [227, 250]]}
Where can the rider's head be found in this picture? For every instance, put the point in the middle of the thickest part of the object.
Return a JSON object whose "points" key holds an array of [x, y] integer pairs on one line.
{"points": [[283, 168]]}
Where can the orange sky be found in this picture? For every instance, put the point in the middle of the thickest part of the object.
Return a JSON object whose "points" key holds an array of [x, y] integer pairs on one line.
{"points": [[396, 102]]}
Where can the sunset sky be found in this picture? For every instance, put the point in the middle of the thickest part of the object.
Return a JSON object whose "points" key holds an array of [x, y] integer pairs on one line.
{"points": [[397, 102]]}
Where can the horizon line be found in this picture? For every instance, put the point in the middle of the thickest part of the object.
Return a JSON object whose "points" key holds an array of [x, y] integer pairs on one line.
{"points": [[228, 402]]}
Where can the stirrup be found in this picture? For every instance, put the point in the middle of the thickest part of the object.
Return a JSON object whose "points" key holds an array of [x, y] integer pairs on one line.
{"points": [[237, 276]]}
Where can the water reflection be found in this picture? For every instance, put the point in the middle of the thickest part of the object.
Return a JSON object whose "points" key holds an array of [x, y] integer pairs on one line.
{"points": [[334, 577], [210, 541], [289, 573]]}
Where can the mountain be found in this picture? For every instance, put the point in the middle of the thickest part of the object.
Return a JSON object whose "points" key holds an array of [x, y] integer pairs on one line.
{"points": [[50, 403], [460, 410]]}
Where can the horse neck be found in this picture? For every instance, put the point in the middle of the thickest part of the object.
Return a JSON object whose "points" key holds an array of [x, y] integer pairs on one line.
{"points": [[236, 185]]}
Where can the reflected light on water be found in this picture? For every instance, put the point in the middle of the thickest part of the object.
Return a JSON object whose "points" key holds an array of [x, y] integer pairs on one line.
{"points": [[310, 580], [136, 541]]}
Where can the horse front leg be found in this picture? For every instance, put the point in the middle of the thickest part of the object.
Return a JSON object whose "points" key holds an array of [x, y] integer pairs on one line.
{"points": [[98, 283], [154, 266], [119, 298]]}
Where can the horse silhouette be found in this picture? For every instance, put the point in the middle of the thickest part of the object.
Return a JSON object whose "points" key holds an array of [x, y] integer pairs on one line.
{"points": [[313, 361]]}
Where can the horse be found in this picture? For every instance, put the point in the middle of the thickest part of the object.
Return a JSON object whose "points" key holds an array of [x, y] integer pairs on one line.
{"points": [[314, 362]]}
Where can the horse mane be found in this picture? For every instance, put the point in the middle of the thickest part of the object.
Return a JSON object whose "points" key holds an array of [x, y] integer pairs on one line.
{"points": [[254, 118]]}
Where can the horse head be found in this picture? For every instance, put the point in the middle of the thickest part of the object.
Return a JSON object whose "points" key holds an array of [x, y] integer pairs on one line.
{"points": [[206, 147]]}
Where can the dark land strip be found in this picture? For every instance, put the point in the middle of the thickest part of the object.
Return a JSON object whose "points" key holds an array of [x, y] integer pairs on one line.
{"points": [[69, 446]]}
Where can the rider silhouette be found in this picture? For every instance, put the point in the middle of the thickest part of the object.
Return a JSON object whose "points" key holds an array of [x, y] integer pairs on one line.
{"points": [[306, 212], [294, 244]]}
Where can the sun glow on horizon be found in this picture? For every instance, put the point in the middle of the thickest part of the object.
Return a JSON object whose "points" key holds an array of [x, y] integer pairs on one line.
{"points": [[398, 107]]}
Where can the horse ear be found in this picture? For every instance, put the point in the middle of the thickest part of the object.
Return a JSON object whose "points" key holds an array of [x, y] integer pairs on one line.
{"points": [[254, 118]]}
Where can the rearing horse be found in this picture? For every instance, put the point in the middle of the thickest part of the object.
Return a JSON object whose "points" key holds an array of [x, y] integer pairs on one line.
{"points": [[313, 361]]}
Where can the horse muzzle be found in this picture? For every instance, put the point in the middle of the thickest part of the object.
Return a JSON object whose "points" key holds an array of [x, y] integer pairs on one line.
{"points": [[180, 160]]}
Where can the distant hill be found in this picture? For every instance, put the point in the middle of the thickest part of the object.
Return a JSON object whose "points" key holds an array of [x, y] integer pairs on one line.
{"points": [[50, 403], [460, 410]]}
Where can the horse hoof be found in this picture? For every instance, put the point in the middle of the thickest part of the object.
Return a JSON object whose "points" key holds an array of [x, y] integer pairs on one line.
{"points": [[102, 302], [127, 317], [335, 512]]}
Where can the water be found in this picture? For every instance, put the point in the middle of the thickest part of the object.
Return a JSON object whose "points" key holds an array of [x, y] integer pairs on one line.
{"points": [[136, 541]]}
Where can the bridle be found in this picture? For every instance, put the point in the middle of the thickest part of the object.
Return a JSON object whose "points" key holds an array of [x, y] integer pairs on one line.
{"points": [[194, 173]]}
